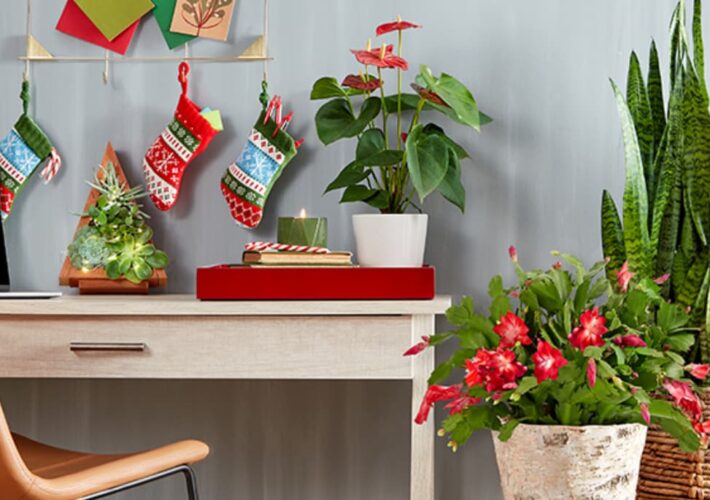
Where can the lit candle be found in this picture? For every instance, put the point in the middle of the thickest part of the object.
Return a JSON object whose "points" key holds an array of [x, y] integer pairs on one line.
{"points": [[303, 230]]}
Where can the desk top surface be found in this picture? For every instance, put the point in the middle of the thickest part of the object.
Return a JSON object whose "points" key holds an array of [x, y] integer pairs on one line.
{"points": [[187, 305]]}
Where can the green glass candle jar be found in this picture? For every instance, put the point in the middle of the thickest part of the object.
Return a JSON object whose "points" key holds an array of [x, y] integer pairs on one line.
{"points": [[303, 230]]}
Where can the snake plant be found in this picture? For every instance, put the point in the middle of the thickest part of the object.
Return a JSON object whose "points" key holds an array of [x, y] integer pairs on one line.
{"points": [[664, 228]]}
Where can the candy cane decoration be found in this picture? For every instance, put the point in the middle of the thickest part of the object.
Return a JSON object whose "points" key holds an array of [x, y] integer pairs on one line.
{"points": [[260, 246]]}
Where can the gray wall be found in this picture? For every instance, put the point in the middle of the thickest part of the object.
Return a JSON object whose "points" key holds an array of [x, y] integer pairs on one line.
{"points": [[539, 68]]}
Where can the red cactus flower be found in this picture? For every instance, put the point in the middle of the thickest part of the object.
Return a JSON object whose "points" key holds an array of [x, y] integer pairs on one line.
{"points": [[592, 372], [418, 347], [404, 136], [557, 265], [645, 413], [662, 279], [398, 25], [629, 341], [548, 361], [684, 398], [702, 428], [381, 58], [592, 327], [513, 252], [362, 82], [494, 370], [434, 394], [623, 277], [512, 330], [698, 371], [515, 294], [461, 403]]}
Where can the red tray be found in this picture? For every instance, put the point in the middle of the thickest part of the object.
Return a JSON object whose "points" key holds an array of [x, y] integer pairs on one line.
{"points": [[234, 282]]}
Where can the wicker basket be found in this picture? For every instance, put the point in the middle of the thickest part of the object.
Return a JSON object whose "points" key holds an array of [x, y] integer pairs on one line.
{"points": [[669, 473]]}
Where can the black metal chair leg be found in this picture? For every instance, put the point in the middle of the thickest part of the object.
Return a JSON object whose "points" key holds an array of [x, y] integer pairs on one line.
{"points": [[191, 482]]}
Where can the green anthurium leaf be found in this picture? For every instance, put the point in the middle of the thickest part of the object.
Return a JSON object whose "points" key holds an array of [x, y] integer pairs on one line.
{"points": [[141, 269], [382, 159], [335, 120], [357, 193], [636, 237], [349, 176], [409, 102], [459, 99], [159, 260], [326, 88], [427, 160], [425, 78], [379, 200], [113, 270], [431, 128], [451, 187], [371, 142]]}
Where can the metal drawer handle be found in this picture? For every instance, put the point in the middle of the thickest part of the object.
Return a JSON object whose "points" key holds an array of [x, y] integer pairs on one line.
{"points": [[107, 346]]}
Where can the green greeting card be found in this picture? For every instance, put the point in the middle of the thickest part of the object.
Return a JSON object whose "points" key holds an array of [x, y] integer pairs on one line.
{"points": [[163, 13], [113, 17]]}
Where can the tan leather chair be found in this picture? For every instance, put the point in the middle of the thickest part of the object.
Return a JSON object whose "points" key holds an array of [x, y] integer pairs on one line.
{"points": [[33, 471]]}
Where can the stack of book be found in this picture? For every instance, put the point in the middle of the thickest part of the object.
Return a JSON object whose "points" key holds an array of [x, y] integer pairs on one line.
{"points": [[270, 258]]}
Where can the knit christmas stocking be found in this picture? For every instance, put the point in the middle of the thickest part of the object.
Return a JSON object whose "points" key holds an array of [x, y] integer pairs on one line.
{"points": [[187, 135], [248, 181], [21, 152]]}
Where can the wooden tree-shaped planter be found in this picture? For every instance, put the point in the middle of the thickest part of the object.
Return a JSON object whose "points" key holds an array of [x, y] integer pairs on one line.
{"points": [[95, 281]]}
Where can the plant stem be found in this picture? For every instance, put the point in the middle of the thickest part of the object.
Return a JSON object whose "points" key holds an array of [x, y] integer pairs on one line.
{"points": [[399, 94], [385, 170]]}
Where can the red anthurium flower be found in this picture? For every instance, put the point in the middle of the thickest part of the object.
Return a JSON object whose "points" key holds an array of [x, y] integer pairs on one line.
{"points": [[592, 372], [381, 58], [361, 82], [662, 279], [512, 330], [629, 341], [592, 327], [398, 25], [513, 252], [548, 361], [645, 413], [684, 398], [623, 277], [434, 394], [698, 371], [429, 95], [418, 347], [494, 370]]}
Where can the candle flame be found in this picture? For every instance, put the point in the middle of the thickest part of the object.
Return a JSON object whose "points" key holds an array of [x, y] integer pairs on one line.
{"points": [[302, 214]]}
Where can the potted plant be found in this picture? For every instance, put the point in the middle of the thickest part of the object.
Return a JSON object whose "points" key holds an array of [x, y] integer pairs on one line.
{"points": [[112, 250], [665, 223], [398, 155], [567, 369]]}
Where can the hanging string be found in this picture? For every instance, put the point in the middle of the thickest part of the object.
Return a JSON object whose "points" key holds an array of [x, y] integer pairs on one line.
{"points": [[264, 96], [25, 96], [26, 75]]}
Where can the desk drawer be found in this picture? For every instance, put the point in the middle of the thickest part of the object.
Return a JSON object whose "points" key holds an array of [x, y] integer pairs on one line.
{"points": [[206, 347]]}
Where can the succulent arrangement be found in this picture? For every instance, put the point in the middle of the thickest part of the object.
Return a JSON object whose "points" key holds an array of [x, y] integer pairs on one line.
{"points": [[666, 215], [117, 238]]}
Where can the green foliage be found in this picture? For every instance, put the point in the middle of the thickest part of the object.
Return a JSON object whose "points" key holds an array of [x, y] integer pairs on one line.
{"points": [[666, 216], [117, 238], [391, 166], [553, 305]]}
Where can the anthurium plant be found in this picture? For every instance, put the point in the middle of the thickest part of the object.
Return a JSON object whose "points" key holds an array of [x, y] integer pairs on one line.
{"points": [[397, 153], [568, 347], [664, 227]]}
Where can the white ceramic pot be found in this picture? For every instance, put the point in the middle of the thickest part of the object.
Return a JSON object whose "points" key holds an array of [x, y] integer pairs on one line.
{"points": [[390, 240], [542, 462]]}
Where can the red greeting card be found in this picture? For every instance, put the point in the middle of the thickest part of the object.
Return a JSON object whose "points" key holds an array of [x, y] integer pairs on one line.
{"points": [[74, 22]]}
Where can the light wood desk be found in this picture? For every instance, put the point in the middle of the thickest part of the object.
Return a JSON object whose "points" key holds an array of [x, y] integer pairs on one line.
{"points": [[178, 337]]}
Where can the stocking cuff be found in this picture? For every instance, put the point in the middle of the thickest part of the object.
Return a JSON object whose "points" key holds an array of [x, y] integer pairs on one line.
{"points": [[34, 137], [282, 140], [188, 114]]}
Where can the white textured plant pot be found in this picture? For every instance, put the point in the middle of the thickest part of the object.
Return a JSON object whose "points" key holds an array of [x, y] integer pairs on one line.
{"points": [[390, 240], [599, 462]]}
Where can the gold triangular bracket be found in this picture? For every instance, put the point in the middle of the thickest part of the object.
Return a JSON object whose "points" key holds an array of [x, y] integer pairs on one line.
{"points": [[256, 50], [36, 50]]}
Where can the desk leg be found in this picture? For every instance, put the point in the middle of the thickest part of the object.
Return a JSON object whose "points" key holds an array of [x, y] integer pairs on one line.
{"points": [[422, 458]]}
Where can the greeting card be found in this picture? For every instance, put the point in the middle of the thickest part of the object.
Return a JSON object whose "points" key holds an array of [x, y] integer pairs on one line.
{"points": [[203, 18], [113, 17], [74, 22]]}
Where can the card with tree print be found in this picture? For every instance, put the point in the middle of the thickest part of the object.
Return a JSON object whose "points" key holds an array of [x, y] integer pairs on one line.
{"points": [[203, 18]]}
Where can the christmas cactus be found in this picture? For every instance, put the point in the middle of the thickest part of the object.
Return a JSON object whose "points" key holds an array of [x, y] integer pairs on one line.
{"points": [[568, 347], [399, 154]]}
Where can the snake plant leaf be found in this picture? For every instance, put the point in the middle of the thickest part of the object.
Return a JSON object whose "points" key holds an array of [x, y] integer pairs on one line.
{"points": [[635, 212], [640, 108], [691, 285], [696, 145], [654, 88], [698, 49], [699, 310], [612, 236]]}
